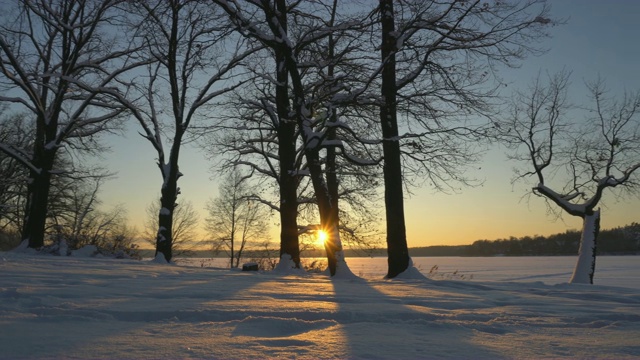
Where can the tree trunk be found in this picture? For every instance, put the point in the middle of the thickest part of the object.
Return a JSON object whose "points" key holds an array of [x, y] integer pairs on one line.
{"points": [[331, 227], [397, 249], [38, 188], [164, 239], [286, 59], [586, 265], [169, 193], [35, 218], [329, 224], [234, 223], [289, 242], [328, 214]]}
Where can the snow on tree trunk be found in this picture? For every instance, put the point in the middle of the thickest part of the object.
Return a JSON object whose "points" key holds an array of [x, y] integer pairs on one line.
{"points": [[164, 238], [339, 268], [586, 265], [286, 265]]}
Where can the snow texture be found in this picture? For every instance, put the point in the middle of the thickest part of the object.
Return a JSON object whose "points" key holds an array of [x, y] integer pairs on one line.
{"points": [[85, 251], [98, 308], [287, 266], [159, 259]]}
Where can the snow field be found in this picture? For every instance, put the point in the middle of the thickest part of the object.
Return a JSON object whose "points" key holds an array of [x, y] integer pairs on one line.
{"points": [[74, 307]]}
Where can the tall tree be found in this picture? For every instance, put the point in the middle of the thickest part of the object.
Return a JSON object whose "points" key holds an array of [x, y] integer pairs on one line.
{"points": [[575, 161], [397, 249], [437, 63], [272, 31], [287, 151], [255, 133], [193, 61], [267, 138], [55, 57]]}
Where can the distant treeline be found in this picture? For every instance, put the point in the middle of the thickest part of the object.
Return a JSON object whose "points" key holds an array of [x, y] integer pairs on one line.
{"points": [[618, 241]]}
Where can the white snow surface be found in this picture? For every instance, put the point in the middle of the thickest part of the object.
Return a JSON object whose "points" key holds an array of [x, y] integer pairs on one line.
{"points": [[84, 307]]}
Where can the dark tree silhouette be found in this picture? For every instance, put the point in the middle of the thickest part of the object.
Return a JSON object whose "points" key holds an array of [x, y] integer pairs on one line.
{"points": [[55, 60]]}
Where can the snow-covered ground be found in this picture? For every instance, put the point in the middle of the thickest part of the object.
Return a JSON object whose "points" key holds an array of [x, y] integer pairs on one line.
{"points": [[78, 307]]}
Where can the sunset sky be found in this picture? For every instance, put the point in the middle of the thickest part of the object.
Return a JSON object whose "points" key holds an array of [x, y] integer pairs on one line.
{"points": [[600, 38]]}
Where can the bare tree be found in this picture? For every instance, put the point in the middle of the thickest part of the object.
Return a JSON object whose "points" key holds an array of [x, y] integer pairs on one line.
{"points": [[575, 160], [184, 227], [433, 69], [252, 134], [268, 23], [263, 134], [236, 220], [193, 59], [56, 57], [79, 220], [72, 202], [437, 63], [15, 132]]}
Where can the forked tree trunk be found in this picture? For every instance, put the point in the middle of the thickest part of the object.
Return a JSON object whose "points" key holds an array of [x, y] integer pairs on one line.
{"points": [[328, 214], [311, 146], [586, 265]]}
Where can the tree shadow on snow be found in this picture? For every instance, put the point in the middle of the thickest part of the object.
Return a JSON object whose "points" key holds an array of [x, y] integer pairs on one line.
{"points": [[381, 319]]}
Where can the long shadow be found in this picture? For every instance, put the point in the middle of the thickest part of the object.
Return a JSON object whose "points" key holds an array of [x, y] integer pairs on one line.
{"points": [[399, 321], [79, 306]]}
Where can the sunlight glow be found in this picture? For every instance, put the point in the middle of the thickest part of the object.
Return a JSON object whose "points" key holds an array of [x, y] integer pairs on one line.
{"points": [[322, 237]]}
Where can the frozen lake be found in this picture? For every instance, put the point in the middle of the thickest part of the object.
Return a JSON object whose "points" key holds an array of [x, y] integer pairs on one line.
{"points": [[610, 270]]}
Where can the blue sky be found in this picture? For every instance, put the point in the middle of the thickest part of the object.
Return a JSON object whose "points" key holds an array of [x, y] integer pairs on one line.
{"points": [[600, 38]]}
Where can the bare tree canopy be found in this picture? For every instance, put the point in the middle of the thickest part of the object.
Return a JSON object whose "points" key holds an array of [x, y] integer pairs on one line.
{"points": [[575, 156], [236, 221], [56, 58], [192, 57], [436, 62]]}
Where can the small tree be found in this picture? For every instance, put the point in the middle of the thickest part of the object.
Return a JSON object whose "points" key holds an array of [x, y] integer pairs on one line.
{"points": [[235, 219], [575, 162], [80, 219]]}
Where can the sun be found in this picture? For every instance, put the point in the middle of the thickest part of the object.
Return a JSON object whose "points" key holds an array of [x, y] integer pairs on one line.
{"points": [[321, 237]]}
